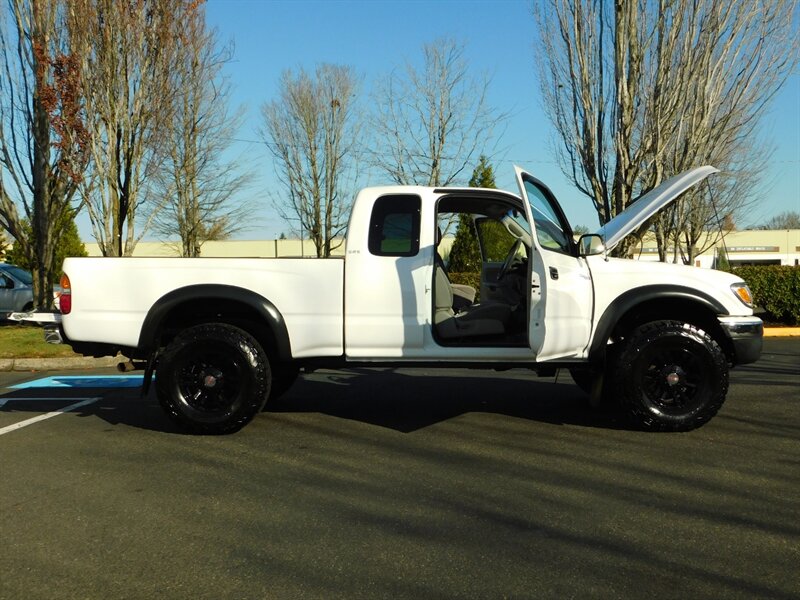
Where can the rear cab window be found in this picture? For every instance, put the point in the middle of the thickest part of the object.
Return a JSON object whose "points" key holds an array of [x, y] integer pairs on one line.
{"points": [[394, 226]]}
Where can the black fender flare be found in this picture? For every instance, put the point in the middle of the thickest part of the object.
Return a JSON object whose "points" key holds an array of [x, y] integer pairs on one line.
{"points": [[640, 295], [148, 337]]}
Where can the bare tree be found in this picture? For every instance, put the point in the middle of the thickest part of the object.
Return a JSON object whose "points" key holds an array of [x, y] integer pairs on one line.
{"points": [[432, 123], [197, 183], [312, 130], [785, 220], [43, 141], [640, 90], [128, 53]]}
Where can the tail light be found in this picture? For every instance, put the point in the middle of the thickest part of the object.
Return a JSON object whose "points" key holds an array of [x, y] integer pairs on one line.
{"points": [[65, 301]]}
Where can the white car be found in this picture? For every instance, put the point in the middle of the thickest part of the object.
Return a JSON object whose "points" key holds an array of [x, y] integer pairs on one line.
{"points": [[16, 291]]}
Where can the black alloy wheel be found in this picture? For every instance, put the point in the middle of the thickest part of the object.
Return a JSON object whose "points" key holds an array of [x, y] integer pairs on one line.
{"points": [[213, 378], [671, 376]]}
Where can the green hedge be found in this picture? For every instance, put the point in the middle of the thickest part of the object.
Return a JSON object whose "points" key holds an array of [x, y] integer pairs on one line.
{"points": [[776, 289]]}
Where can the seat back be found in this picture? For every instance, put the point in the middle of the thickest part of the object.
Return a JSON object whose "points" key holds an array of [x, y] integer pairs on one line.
{"points": [[443, 296]]}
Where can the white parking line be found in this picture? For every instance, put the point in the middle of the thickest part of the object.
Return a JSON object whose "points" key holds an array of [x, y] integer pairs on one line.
{"points": [[49, 415]]}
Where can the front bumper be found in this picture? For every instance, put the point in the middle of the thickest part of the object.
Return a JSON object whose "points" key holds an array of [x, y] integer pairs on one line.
{"points": [[746, 335]]}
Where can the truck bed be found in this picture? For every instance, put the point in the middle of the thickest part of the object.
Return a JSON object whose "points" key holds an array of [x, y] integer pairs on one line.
{"points": [[111, 296]]}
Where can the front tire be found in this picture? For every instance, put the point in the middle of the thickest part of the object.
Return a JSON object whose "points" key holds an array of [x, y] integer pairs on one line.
{"points": [[671, 376], [213, 379]]}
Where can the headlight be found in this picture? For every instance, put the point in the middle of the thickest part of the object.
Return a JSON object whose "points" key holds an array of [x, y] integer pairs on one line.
{"points": [[743, 293]]}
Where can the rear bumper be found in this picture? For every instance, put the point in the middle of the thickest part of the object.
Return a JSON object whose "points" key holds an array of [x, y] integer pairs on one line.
{"points": [[746, 335], [54, 334]]}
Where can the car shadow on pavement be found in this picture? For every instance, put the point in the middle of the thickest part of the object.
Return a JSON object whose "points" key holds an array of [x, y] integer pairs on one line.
{"points": [[120, 406], [381, 397], [407, 402]]}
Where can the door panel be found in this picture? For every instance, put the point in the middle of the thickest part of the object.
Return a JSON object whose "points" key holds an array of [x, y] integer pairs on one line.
{"points": [[563, 302], [7, 294], [387, 287], [568, 317]]}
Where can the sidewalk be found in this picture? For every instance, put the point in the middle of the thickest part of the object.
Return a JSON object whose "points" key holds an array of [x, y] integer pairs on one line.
{"points": [[82, 362]]}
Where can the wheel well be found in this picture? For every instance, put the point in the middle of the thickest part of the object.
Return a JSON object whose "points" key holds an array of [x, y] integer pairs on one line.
{"points": [[673, 309], [218, 310]]}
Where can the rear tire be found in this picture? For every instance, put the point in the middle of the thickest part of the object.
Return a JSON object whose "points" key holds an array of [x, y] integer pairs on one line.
{"points": [[671, 376], [213, 379]]}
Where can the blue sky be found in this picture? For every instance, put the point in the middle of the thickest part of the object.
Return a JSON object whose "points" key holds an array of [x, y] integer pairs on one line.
{"points": [[377, 36]]}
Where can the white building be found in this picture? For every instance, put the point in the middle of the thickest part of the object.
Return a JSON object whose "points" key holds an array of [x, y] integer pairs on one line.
{"points": [[774, 247]]}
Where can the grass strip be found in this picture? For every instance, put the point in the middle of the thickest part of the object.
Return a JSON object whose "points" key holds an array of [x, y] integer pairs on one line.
{"points": [[26, 341]]}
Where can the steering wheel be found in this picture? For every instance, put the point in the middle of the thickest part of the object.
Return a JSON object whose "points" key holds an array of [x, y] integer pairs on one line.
{"points": [[512, 254]]}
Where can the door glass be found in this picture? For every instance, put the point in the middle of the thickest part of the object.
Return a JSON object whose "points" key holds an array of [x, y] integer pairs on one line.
{"points": [[549, 229]]}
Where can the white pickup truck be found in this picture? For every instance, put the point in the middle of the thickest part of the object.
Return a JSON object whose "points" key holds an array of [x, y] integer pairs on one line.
{"points": [[223, 335]]}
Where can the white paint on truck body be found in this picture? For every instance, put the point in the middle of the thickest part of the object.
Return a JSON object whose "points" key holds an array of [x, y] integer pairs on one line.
{"points": [[111, 296]]}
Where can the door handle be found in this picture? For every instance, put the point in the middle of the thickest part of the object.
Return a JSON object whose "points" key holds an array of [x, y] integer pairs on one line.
{"points": [[553, 273]]}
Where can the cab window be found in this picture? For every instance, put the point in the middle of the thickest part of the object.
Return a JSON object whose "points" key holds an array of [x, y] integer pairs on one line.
{"points": [[394, 226]]}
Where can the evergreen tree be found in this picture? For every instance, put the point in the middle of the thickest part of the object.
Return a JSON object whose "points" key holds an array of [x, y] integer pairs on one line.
{"points": [[465, 255], [722, 263], [483, 175], [68, 244]]}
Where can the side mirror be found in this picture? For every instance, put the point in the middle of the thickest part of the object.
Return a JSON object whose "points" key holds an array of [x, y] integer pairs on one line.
{"points": [[591, 244]]}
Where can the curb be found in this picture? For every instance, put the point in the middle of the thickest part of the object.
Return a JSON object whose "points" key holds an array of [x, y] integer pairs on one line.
{"points": [[781, 331], [58, 364]]}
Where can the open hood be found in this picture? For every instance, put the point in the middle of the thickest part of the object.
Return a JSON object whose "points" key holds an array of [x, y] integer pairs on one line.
{"points": [[646, 206]]}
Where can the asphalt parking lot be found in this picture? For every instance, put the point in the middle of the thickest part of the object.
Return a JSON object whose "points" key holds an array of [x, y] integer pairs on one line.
{"points": [[406, 484]]}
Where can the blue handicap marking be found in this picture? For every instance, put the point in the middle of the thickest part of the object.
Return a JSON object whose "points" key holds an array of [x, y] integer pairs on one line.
{"points": [[86, 381]]}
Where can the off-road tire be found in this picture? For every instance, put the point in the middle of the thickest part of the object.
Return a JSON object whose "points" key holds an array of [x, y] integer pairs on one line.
{"points": [[670, 376], [213, 379]]}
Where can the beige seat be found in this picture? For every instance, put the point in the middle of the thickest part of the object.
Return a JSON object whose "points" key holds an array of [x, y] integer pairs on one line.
{"points": [[463, 295], [476, 320]]}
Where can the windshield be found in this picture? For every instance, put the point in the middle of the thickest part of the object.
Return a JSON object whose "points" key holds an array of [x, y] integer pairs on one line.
{"points": [[20, 274], [517, 225]]}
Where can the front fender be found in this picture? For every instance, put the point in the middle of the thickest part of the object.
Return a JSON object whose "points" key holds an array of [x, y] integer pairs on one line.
{"points": [[640, 296]]}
